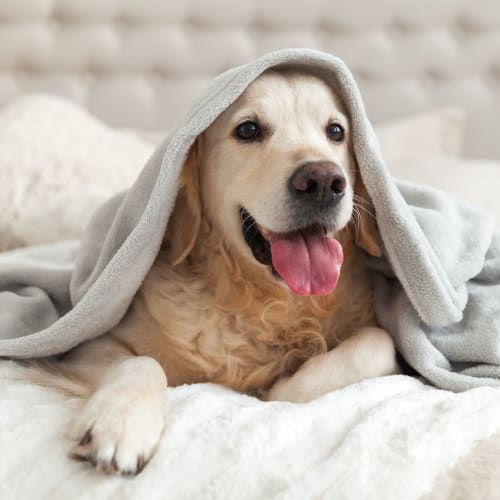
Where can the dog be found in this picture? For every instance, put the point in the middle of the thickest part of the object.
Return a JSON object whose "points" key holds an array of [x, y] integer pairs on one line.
{"points": [[261, 282]]}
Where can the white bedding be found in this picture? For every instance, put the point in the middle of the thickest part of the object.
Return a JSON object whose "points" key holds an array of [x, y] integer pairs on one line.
{"points": [[387, 438]]}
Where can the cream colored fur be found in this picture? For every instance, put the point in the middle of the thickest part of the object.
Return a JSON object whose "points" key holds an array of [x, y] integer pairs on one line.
{"points": [[208, 311]]}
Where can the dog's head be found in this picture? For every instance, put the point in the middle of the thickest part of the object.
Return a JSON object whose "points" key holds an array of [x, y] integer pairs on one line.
{"points": [[275, 174]]}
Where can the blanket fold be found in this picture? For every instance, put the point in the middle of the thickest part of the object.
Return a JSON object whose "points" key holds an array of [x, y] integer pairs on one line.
{"points": [[437, 287]]}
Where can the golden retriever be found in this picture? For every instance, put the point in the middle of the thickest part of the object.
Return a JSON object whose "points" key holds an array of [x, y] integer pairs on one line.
{"points": [[260, 284]]}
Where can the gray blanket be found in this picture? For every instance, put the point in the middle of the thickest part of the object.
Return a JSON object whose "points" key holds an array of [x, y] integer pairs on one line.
{"points": [[437, 287]]}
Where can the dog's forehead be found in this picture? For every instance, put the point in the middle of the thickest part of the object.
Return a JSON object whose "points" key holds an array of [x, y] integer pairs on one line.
{"points": [[280, 97], [284, 90]]}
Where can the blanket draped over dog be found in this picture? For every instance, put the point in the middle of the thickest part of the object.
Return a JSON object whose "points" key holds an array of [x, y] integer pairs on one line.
{"points": [[437, 286]]}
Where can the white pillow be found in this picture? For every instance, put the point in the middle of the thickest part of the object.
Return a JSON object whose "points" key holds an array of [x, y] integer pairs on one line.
{"points": [[474, 181], [57, 164], [434, 133], [425, 148]]}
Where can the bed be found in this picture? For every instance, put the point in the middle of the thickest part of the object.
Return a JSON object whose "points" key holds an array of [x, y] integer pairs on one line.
{"points": [[107, 58]]}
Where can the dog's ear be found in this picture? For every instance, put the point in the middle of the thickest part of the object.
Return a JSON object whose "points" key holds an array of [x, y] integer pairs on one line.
{"points": [[367, 234], [185, 221]]}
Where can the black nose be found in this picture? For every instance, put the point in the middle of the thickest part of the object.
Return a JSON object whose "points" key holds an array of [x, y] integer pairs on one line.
{"points": [[320, 182]]}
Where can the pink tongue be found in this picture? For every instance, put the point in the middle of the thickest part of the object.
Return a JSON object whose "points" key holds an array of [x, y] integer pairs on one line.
{"points": [[308, 261]]}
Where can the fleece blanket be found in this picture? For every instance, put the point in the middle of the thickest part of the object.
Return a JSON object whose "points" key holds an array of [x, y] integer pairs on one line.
{"points": [[437, 286], [350, 444]]}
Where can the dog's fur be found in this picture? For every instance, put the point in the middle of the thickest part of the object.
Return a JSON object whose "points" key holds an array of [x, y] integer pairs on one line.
{"points": [[208, 311]]}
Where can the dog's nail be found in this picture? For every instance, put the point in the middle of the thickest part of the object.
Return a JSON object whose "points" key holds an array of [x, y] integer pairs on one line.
{"points": [[141, 462], [128, 472], [86, 439], [107, 467], [75, 455]]}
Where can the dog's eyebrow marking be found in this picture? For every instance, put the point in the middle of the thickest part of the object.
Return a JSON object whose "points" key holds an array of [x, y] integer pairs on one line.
{"points": [[339, 118], [247, 118]]}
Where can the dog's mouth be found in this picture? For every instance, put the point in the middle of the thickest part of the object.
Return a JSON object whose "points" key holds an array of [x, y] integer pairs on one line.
{"points": [[308, 259]]}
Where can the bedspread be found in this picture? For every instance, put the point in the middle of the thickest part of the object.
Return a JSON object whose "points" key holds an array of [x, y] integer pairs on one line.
{"points": [[386, 438]]}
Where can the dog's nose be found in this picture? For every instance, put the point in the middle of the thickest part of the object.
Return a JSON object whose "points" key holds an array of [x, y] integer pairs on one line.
{"points": [[319, 182]]}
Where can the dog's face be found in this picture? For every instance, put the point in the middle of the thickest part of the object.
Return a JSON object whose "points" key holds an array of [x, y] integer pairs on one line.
{"points": [[277, 177]]}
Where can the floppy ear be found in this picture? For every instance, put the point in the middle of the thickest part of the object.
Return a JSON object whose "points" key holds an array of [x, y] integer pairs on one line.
{"points": [[184, 223], [367, 235]]}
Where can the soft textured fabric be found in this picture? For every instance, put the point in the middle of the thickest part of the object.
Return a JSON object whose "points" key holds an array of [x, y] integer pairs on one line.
{"points": [[438, 287], [57, 164], [390, 438]]}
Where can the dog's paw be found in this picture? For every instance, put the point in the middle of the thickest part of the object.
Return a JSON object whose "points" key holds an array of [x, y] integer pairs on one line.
{"points": [[118, 433]]}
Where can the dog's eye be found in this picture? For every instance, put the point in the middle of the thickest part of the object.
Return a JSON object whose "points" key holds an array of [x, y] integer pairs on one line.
{"points": [[335, 132], [247, 131]]}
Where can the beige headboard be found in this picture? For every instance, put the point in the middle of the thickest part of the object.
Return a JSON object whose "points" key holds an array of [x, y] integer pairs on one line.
{"points": [[138, 63]]}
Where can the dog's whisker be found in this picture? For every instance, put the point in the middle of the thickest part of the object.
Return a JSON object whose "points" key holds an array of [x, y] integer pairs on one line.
{"points": [[246, 218], [334, 221], [356, 219], [248, 224], [365, 208], [365, 205], [357, 197], [361, 200], [369, 212], [251, 226]]}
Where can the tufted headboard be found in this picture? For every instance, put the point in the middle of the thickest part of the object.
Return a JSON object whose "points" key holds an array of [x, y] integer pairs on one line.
{"points": [[138, 63]]}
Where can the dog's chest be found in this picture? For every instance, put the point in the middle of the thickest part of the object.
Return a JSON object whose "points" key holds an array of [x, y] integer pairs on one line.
{"points": [[244, 342], [202, 342]]}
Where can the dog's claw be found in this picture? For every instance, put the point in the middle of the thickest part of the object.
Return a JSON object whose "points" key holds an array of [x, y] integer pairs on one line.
{"points": [[91, 459], [108, 467], [87, 438], [141, 463]]}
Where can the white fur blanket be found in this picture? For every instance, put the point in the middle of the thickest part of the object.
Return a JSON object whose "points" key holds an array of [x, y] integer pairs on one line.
{"points": [[387, 438]]}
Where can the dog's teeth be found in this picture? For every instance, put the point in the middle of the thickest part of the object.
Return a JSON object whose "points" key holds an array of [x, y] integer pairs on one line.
{"points": [[329, 233], [265, 233]]}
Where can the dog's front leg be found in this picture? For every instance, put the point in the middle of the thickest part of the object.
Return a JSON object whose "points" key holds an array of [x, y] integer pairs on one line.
{"points": [[120, 424], [368, 353]]}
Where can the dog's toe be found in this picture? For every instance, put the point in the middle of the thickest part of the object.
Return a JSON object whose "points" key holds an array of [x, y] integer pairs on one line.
{"points": [[117, 437]]}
